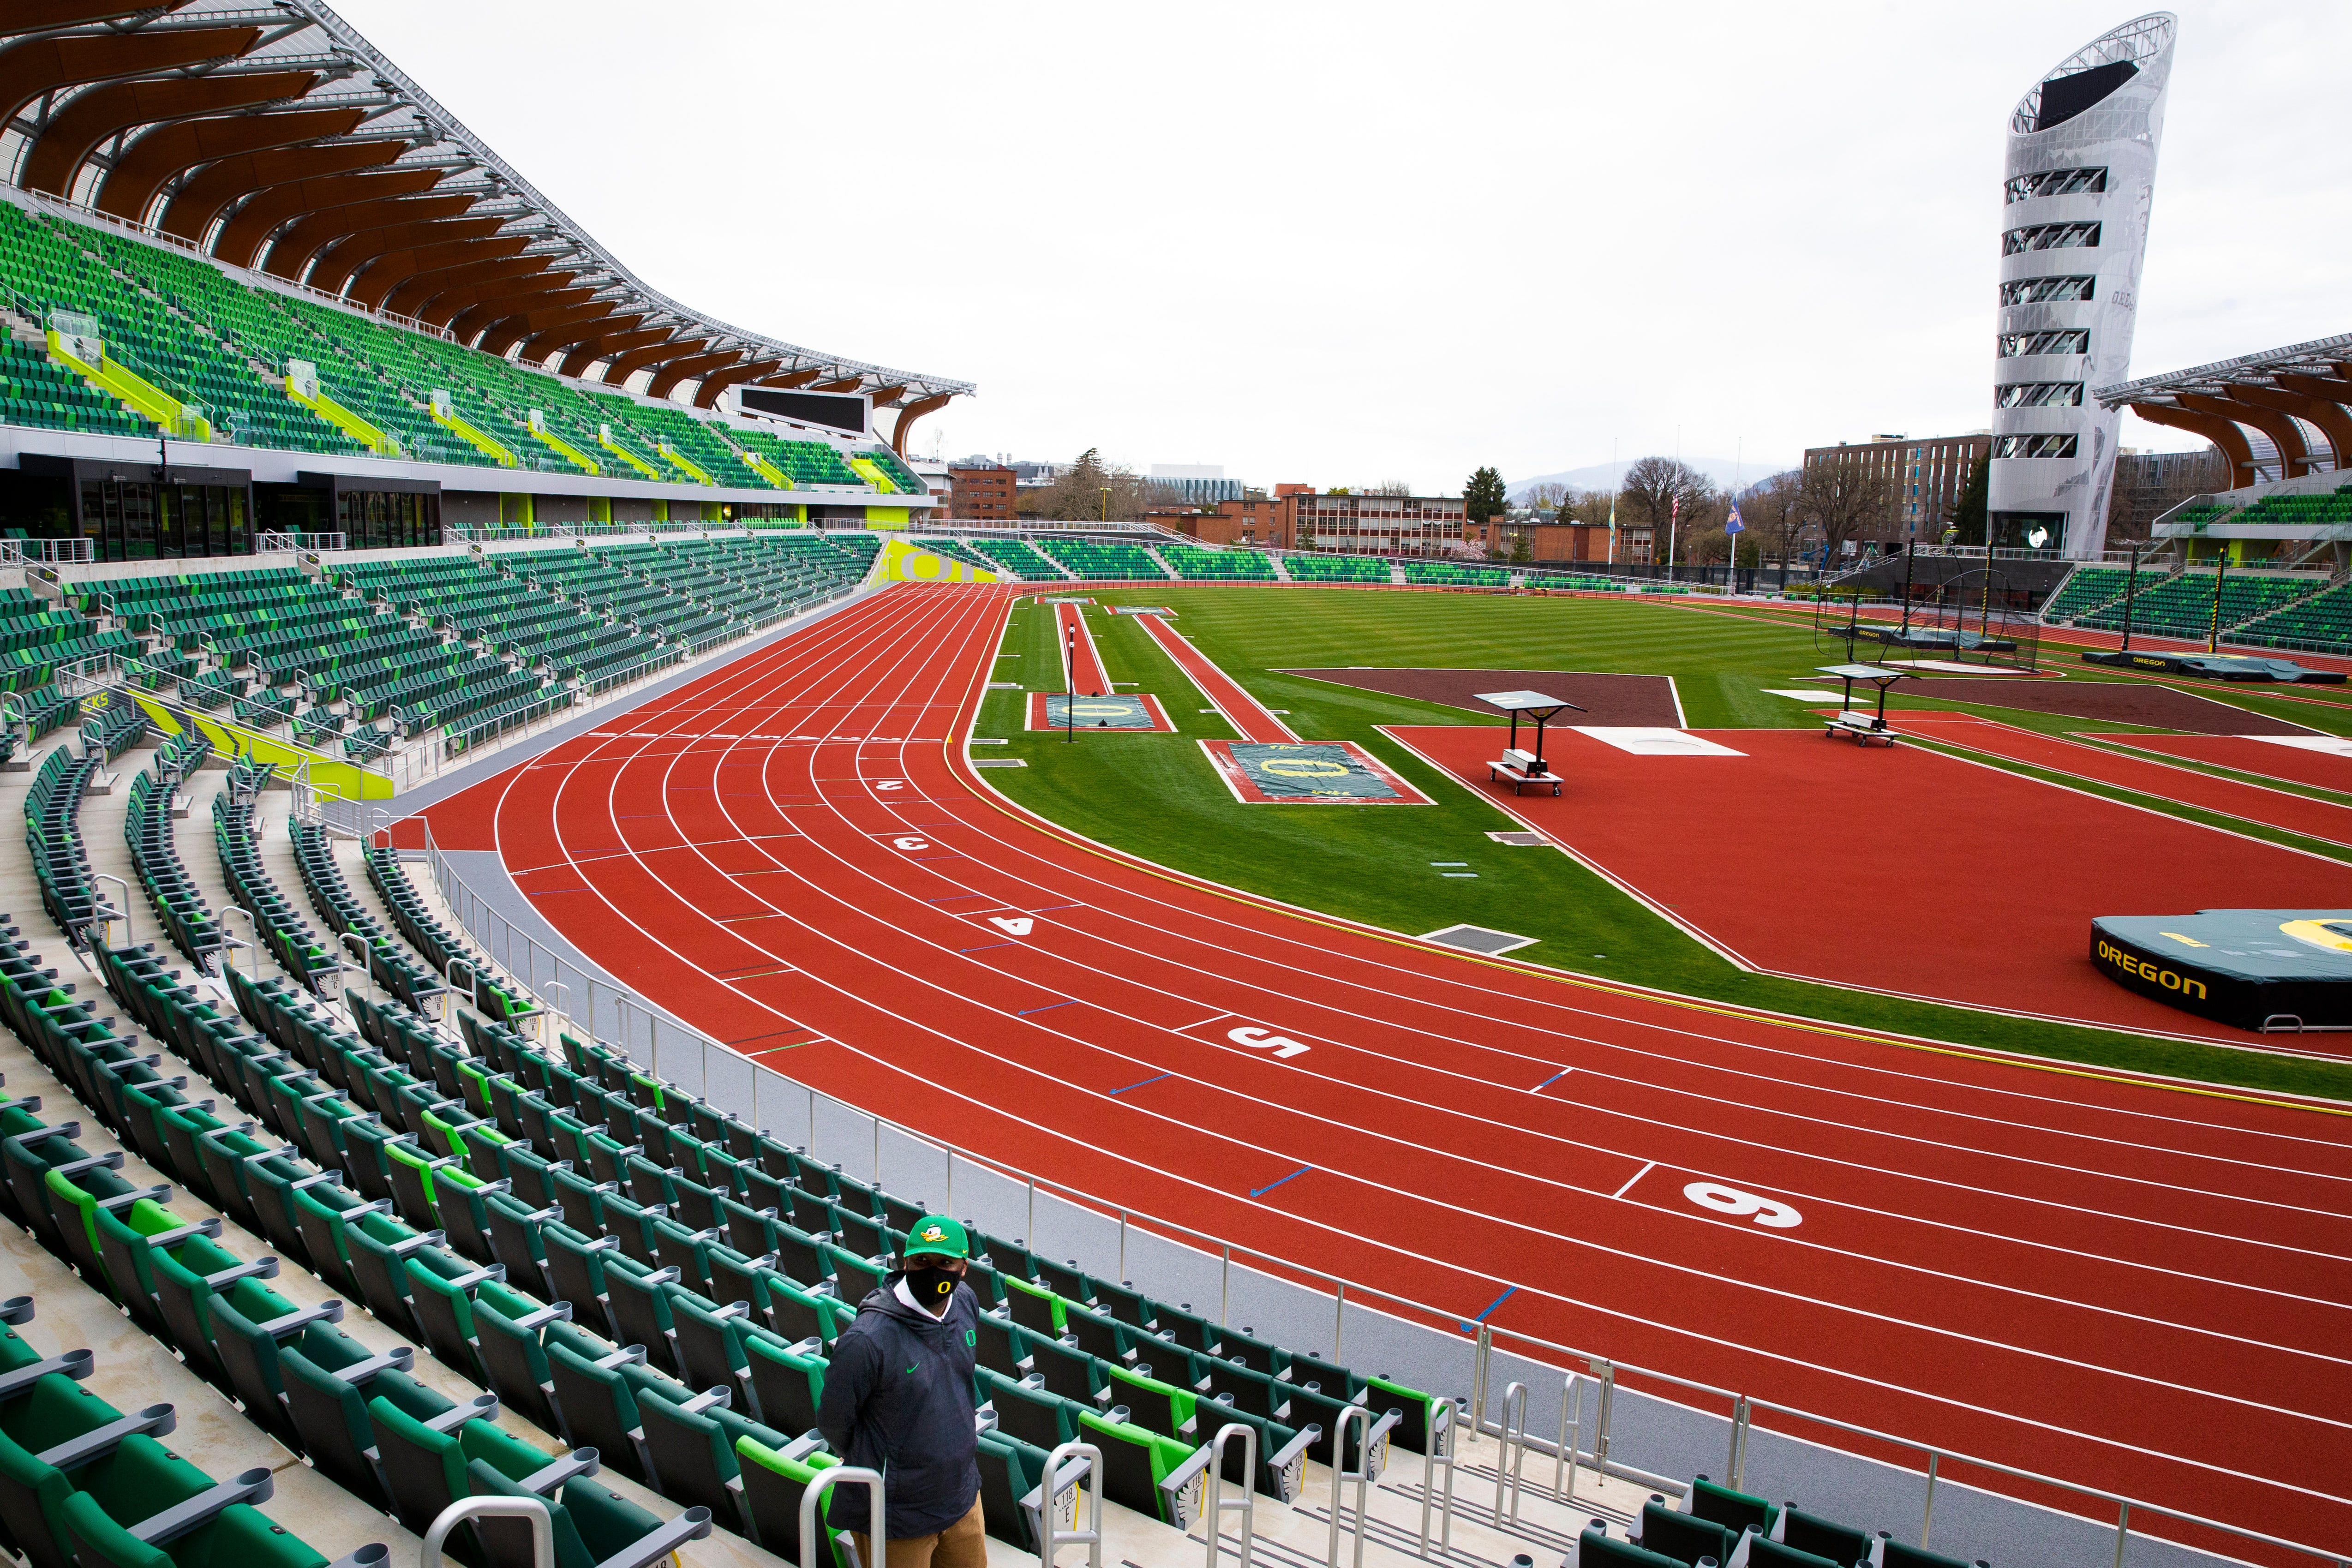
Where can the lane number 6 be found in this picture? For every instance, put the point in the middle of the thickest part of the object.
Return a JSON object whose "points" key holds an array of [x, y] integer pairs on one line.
{"points": [[1769, 1212]]}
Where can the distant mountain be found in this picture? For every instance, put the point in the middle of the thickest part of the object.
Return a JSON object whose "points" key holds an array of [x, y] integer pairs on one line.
{"points": [[1606, 476]]}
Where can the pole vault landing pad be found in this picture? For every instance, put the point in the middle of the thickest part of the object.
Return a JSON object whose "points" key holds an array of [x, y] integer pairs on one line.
{"points": [[2265, 970], [1134, 711], [1308, 772]]}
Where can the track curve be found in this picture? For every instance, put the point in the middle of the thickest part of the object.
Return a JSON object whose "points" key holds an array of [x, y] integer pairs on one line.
{"points": [[2118, 1283]]}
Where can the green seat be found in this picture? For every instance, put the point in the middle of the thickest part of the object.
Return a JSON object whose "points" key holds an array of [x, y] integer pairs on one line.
{"points": [[787, 1382], [210, 1527], [1135, 1463], [1596, 1548], [775, 1479], [1736, 1511], [693, 1452]]}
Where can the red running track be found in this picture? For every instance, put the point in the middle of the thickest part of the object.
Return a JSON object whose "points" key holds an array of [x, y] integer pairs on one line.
{"points": [[2078, 1273]]}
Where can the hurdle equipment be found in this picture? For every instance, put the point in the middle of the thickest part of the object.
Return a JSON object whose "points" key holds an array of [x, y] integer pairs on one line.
{"points": [[1864, 727], [1525, 768]]}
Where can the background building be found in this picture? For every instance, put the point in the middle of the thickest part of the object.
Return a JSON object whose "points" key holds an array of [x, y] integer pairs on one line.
{"points": [[1380, 525], [1922, 481], [2149, 484], [1194, 484], [980, 491], [2081, 171]]}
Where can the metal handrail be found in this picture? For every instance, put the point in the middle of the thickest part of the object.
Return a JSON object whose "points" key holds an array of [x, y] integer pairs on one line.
{"points": [[878, 1517], [1215, 1505], [1050, 1537], [535, 1510], [1360, 1416]]}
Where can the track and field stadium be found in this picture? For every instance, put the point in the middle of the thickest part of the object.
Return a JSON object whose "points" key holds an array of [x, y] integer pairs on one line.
{"points": [[550, 848]]}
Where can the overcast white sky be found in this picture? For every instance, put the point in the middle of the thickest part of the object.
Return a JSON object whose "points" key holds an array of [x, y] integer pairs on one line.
{"points": [[1347, 243]]}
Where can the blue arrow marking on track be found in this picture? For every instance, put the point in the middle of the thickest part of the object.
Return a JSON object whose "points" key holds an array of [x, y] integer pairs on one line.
{"points": [[1261, 1192], [1472, 1326], [1139, 1082], [1551, 1080]]}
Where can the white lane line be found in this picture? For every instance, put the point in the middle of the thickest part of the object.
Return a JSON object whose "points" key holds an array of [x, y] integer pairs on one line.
{"points": [[1634, 1177]]}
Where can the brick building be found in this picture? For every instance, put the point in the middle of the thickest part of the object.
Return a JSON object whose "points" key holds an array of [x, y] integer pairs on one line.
{"points": [[1924, 480], [983, 493]]}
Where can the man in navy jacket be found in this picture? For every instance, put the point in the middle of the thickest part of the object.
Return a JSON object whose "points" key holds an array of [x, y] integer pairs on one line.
{"points": [[897, 1399]]}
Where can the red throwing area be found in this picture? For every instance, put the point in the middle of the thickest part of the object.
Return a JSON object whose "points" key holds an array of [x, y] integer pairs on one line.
{"points": [[2077, 1272], [2295, 764], [2276, 808], [1982, 894]]}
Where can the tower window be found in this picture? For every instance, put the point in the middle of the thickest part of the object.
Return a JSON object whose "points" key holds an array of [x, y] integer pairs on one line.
{"points": [[2047, 291], [2050, 236], [2034, 446], [2063, 343], [2040, 394], [2056, 182]]}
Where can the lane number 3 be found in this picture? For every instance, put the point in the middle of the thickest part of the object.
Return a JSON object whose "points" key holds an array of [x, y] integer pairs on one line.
{"points": [[1769, 1212]]}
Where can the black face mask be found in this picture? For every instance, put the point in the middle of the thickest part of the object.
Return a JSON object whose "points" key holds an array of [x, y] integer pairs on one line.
{"points": [[931, 1286]]}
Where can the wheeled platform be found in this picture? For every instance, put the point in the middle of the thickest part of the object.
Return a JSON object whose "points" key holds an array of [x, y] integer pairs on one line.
{"points": [[2218, 667], [1521, 769], [1852, 721]]}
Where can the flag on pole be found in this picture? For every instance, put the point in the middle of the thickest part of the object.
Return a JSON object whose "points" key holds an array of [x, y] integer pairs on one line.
{"points": [[1734, 525], [1613, 529]]}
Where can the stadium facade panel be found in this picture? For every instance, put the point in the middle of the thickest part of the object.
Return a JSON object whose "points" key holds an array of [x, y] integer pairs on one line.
{"points": [[2080, 177]]}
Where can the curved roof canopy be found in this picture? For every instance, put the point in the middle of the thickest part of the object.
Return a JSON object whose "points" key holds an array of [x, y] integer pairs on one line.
{"points": [[270, 134], [2298, 398]]}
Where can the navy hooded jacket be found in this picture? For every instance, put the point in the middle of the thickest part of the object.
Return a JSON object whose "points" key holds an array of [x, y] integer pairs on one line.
{"points": [[897, 1399]]}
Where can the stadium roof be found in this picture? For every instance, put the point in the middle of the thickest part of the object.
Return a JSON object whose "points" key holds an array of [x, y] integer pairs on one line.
{"points": [[2300, 397], [268, 133]]}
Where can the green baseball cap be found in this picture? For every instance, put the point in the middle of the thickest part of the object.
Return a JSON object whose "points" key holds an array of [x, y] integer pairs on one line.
{"points": [[935, 1235]]}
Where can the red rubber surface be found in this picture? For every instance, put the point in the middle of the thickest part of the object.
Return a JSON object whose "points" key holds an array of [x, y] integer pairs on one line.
{"points": [[2096, 1277], [2252, 803], [2321, 769], [1082, 668], [1961, 906]]}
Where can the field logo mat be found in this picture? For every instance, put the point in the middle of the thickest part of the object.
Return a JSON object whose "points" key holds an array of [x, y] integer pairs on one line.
{"points": [[903, 561], [1142, 610], [1129, 711], [1308, 772]]}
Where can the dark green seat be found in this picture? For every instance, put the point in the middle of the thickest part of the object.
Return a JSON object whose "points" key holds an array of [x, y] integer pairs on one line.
{"points": [[1736, 1511], [1821, 1537], [1684, 1537], [1596, 1548], [786, 1381]]}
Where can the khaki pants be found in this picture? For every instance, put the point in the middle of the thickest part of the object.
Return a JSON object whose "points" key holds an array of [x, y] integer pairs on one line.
{"points": [[963, 1544]]}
